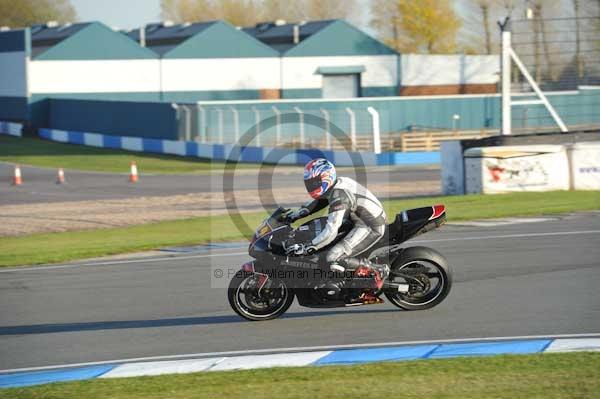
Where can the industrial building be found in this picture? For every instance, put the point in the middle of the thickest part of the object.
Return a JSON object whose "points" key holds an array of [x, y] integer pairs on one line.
{"points": [[191, 62], [330, 59], [211, 61]]}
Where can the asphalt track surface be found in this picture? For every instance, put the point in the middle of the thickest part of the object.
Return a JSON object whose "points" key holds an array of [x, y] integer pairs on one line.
{"points": [[40, 187], [523, 279]]}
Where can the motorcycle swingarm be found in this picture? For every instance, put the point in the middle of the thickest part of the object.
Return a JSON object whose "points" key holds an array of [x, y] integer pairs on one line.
{"points": [[407, 276]]}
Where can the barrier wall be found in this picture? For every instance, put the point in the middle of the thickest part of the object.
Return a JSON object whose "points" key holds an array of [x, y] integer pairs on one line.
{"points": [[220, 152], [493, 170], [584, 160], [453, 168], [11, 128], [137, 119]]}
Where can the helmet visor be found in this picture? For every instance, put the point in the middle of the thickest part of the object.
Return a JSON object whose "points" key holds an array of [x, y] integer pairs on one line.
{"points": [[313, 183]]}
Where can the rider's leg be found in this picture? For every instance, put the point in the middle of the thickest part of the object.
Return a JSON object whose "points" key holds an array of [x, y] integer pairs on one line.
{"points": [[344, 254], [356, 242]]}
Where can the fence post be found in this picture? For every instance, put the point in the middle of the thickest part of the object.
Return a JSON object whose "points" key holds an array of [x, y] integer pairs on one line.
{"points": [[301, 116], [376, 130], [506, 79], [352, 128], [188, 123], [177, 119], [327, 132], [278, 122], [257, 125], [221, 126], [236, 123], [201, 123]]}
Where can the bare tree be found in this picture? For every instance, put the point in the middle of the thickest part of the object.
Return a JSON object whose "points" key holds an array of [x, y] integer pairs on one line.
{"points": [[385, 19], [329, 9], [578, 58], [250, 12], [23, 13], [272, 10]]}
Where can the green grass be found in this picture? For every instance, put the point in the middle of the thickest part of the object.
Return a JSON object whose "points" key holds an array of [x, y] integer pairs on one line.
{"points": [[547, 376], [60, 247], [43, 153]]}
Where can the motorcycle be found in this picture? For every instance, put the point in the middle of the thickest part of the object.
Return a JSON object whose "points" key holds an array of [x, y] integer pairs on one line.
{"points": [[264, 289]]}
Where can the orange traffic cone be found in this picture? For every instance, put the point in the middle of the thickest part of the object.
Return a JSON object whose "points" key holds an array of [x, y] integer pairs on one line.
{"points": [[133, 175], [17, 179], [60, 178]]}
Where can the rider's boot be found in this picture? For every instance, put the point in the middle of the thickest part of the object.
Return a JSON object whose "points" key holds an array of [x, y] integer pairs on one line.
{"points": [[380, 271], [365, 268]]}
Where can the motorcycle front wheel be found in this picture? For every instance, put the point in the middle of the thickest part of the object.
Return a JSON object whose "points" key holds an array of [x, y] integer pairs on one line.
{"points": [[255, 304], [430, 280]]}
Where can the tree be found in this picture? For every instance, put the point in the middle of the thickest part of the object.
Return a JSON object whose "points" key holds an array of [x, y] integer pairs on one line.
{"points": [[251, 12], [485, 6], [479, 33], [24, 13], [236, 12], [424, 26], [328, 9], [277, 9], [386, 20]]}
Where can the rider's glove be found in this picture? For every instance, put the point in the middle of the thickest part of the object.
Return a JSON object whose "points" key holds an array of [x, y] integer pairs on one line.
{"points": [[300, 249], [296, 214]]}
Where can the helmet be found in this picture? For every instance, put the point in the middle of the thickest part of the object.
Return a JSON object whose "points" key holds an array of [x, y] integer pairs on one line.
{"points": [[319, 176]]}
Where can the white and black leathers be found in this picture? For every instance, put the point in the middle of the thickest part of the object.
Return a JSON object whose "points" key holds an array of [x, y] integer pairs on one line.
{"points": [[347, 199]]}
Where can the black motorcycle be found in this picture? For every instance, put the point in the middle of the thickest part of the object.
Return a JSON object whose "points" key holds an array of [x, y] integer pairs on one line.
{"points": [[265, 288]]}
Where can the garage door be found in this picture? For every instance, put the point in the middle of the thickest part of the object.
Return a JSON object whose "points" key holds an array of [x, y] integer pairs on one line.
{"points": [[341, 86]]}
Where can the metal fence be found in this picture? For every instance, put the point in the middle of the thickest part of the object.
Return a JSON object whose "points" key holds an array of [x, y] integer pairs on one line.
{"points": [[549, 55], [290, 125]]}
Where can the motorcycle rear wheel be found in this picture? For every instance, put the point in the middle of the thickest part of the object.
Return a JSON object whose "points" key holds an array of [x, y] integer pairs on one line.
{"points": [[435, 282], [246, 302]]}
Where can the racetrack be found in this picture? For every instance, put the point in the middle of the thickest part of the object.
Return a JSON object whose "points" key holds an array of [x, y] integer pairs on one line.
{"points": [[522, 279], [39, 183]]}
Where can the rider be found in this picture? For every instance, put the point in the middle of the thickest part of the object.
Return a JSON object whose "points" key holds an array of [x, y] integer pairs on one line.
{"points": [[346, 199]]}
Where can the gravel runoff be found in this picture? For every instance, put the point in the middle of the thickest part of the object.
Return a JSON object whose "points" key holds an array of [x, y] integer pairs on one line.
{"points": [[84, 215]]}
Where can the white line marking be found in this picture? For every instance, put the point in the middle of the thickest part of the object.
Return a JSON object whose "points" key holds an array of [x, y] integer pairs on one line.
{"points": [[209, 255], [302, 349], [527, 235], [120, 262], [501, 222]]}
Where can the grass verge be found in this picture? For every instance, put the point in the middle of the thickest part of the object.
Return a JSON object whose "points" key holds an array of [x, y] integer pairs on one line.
{"points": [[547, 376], [43, 153], [60, 247]]}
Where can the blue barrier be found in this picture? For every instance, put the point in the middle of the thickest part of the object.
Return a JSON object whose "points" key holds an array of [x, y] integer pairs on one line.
{"points": [[11, 128], [227, 152]]}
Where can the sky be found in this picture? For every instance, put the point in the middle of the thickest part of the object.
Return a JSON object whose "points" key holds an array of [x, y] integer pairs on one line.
{"points": [[123, 14], [128, 14]]}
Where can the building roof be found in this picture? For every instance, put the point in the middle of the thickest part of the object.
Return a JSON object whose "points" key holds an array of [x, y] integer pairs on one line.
{"points": [[213, 39], [164, 36], [281, 36], [47, 35], [83, 41]]}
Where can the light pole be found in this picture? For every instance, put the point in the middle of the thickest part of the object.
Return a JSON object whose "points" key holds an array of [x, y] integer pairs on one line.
{"points": [[455, 119]]}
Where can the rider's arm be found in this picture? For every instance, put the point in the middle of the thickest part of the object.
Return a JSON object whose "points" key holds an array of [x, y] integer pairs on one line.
{"points": [[308, 209], [316, 205], [339, 207]]}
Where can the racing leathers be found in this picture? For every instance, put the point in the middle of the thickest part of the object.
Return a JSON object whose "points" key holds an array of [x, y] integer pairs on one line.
{"points": [[347, 199]]}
